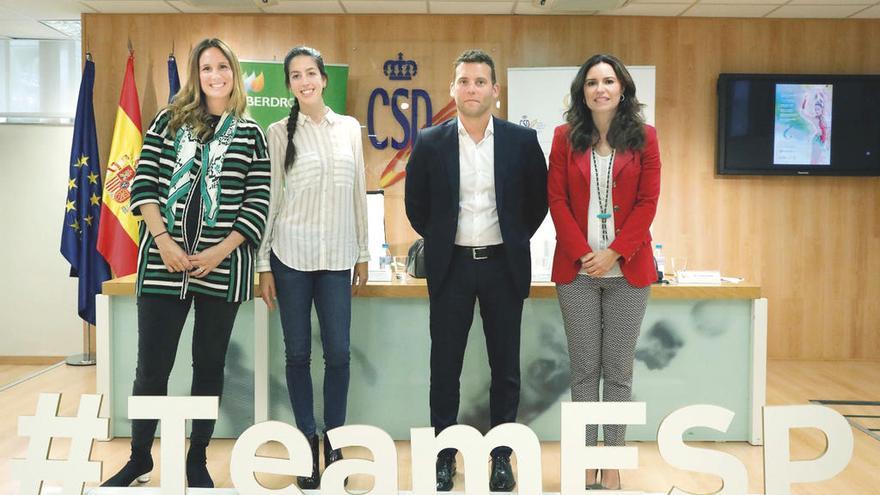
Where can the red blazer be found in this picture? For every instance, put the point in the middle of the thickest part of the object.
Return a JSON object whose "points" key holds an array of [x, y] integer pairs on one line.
{"points": [[635, 189]]}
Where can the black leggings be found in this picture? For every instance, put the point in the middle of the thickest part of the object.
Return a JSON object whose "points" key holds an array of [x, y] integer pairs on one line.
{"points": [[160, 322]]}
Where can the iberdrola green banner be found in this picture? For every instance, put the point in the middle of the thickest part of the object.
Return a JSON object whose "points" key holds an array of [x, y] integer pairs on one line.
{"points": [[267, 96]]}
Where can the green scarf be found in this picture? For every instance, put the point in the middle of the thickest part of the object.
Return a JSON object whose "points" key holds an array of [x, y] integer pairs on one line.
{"points": [[185, 146]]}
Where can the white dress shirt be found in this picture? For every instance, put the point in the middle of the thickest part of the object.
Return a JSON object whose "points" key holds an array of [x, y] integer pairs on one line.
{"points": [[318, 208], [478, 211], [594, 223]]}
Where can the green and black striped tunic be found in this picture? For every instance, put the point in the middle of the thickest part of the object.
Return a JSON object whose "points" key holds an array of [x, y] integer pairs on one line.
{"points": [[244, 204]]}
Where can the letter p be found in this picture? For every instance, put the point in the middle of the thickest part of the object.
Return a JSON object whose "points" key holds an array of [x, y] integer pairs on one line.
{"points": [[779, 470]]}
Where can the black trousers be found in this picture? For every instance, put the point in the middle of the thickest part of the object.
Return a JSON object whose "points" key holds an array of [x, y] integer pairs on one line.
{"points": [[452, 312], [160, 322]]}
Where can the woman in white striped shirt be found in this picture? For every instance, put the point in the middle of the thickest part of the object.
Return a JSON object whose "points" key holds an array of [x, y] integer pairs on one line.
{"points": [[316, 232]]}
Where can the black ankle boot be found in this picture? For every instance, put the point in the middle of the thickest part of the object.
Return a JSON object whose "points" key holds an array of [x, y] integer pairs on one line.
{"points": [[139, 464], [331, 455], [311, 482], [197, 475]]}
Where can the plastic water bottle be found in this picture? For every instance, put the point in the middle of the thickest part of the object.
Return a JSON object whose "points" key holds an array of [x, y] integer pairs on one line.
{"points": [[386, 259], [660, 261]]}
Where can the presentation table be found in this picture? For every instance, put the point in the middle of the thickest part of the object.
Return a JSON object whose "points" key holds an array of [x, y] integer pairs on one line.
{"points": [[698, 345]]}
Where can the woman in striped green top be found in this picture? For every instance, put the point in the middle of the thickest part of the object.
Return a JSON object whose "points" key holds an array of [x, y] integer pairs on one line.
{"points": [[202, 186]]}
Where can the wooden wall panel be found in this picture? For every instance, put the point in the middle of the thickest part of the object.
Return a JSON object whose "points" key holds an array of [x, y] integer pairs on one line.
{"points": [[811, 242]]}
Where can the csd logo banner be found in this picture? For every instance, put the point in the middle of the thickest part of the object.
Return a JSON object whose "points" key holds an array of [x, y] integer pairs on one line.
{"points": [[395, 115], [402, 103]]}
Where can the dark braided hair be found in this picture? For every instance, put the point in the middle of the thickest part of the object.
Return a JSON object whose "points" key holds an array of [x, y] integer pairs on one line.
{"points": [[626, 131], [290, 153]]}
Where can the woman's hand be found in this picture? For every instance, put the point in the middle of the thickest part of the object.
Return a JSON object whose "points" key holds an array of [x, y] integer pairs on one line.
{"points": [[267, 289], [585, 258], [206, 261], [359, 277], [599, 263], [172, 254]]}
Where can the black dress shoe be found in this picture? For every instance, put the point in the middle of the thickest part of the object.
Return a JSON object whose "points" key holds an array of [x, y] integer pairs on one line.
{"points": [[445, 472], [501, 479]]}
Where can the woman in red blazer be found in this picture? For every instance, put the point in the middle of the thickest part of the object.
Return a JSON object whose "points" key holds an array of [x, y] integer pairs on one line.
{"points": [[603, 185]]}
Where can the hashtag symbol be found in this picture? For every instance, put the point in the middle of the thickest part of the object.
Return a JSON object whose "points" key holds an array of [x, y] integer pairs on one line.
{"points": [[45, 425]]}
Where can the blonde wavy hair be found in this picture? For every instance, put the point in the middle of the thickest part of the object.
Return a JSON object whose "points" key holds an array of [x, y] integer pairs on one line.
{"points": [[189, 106]]}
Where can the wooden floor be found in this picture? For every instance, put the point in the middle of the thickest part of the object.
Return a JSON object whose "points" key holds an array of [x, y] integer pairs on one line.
{"points": [[10, 373], [789, 382]]}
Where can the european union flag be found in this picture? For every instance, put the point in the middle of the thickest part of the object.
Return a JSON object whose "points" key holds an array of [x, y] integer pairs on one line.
{"points": [[173, 78], [83, 208]]}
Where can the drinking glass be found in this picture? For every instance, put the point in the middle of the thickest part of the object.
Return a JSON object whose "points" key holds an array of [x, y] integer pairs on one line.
{"points": [[398, 267], [679, 264]]}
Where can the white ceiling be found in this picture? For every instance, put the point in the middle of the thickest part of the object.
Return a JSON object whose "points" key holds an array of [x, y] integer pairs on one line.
{"points": [[20, 18]]}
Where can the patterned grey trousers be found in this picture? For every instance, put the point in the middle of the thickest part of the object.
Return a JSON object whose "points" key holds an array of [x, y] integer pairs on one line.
{"points": [[602, 318]]}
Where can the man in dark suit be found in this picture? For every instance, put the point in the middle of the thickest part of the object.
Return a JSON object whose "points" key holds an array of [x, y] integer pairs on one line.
{"points": [[476, 191]]}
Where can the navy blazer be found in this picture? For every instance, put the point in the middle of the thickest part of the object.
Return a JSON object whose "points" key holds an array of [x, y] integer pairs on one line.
{"points": [[432, 196]]}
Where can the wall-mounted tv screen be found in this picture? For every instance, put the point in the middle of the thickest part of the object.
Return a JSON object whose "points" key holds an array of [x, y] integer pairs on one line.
{"points": [[798, 124]]}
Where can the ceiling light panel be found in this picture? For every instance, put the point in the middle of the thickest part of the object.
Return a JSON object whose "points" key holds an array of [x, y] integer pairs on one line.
{"points": [[131, 7], [305, 7], [385, 7], [71, 29], [649, 9], [448, 7]]}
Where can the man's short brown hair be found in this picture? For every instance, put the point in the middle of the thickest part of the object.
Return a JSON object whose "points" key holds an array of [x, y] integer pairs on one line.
{"points": [[476, 56]]}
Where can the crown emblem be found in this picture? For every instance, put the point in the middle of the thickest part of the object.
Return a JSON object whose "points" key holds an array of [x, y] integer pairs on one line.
{"points": [[400, 69]]}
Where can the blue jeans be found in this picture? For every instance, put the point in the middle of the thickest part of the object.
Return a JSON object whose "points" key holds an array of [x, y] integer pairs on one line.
{"points": [[331, 292]]}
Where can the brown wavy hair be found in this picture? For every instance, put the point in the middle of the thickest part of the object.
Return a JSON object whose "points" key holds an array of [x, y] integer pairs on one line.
{"points": [[627, 127], [189, 106]]}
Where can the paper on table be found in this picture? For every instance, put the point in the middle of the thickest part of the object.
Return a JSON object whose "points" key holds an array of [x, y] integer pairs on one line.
{"points": [[698, 277]]}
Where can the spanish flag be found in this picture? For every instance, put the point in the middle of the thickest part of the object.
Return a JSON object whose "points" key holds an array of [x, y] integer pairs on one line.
{"points": [[118, 231]]}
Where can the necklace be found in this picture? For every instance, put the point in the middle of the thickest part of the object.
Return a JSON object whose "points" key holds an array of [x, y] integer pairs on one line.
{"points": [[603, 214]]}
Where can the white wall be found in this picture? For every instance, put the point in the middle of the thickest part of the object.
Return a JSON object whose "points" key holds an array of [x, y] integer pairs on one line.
{"points": [[37, 298]]}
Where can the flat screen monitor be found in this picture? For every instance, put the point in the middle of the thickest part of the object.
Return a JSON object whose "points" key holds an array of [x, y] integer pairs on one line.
{"points": [[798, 124]]}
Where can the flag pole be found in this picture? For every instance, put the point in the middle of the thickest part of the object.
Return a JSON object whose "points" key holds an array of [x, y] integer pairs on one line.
{"points": [[87, 358], [82, 214]]}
